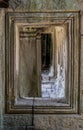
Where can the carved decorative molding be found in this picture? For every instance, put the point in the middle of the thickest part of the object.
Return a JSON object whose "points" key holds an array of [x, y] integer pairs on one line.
{"points": [[37, 21]]}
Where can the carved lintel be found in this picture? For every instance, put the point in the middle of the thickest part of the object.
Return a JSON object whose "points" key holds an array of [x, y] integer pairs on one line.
{"points": [[4, 3]]}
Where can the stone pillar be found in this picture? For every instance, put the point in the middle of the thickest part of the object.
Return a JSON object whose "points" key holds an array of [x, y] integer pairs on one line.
{"points": [[38, 42]]}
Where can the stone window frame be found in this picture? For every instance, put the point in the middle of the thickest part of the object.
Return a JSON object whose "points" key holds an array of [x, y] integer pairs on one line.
{"points": [[15, 104]]}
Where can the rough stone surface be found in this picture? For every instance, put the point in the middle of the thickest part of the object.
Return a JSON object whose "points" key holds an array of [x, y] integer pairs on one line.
{"points": [[43, 4], [2, 65], [45, 122], [17, 120], [14, 128], [80, 4]]}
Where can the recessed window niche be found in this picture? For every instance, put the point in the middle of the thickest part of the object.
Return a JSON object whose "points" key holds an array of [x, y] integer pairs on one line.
{"points": [[42, 62]]}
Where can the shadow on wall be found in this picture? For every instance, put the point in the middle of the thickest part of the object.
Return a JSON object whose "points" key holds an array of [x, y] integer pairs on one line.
{"points": [[4, 3]]}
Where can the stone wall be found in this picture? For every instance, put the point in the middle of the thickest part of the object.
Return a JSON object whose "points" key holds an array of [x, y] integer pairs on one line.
{"points": [[2, 63], [45, 122]]}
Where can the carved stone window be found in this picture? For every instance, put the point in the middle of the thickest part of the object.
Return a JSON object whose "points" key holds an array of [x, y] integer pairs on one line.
{"points": [[42, 62]]}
